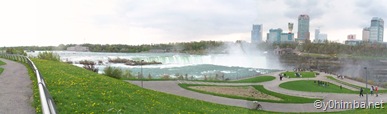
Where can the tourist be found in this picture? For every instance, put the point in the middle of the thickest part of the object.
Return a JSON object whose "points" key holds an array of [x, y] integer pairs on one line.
{"points": [[376, 91], [361, 92], [281, 77], [372, 90]]}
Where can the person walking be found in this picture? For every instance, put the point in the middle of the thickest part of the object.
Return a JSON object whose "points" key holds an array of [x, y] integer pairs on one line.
{"points": [[376, 91], [372, 90], [361, 92]]}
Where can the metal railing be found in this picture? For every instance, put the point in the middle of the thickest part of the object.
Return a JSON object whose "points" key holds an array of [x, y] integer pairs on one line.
{"points": [[48, 104]]}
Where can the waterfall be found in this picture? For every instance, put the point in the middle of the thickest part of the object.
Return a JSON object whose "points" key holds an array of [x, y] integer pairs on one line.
{"points": [[179, 59]]}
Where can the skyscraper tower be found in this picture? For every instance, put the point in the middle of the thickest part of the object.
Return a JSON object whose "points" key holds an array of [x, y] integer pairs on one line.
{"points": [[256, 34], [303, 27], [316, 34], [376, 30]]}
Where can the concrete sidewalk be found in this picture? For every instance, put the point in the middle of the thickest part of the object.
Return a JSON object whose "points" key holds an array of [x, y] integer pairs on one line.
{"points": [[15, 89]]}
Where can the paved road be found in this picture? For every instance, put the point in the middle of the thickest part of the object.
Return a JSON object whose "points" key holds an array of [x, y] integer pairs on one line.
{"points": [[15, 89], [172, 88]]}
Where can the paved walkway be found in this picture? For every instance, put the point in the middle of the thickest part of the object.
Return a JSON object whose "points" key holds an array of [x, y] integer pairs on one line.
{"points": [[15, 89], [173, 88]]}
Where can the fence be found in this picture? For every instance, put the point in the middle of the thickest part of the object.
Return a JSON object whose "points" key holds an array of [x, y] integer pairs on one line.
{"points": [[48, 104]]}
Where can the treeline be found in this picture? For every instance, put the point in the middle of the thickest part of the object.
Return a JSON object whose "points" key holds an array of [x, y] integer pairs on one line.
{"points": [[184, 47], [333, 48], [18, 51], [202, 47]]}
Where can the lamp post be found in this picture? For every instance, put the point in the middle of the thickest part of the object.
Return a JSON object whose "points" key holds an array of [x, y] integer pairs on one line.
{"points": [[366, 74], [142, 85]]}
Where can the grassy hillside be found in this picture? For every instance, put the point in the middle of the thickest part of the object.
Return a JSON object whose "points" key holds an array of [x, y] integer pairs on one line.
{"points": [[2, 63], [76, 90], [1, 69], [256, 79]]}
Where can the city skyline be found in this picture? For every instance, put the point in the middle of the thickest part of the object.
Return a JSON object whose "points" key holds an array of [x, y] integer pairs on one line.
{"points": [[50, 23]]}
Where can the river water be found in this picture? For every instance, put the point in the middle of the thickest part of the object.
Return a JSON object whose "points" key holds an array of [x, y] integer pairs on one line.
{"points": [[232, 66]]}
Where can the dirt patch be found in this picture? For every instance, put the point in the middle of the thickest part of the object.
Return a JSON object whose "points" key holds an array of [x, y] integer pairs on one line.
{"points": [[249, 92]]}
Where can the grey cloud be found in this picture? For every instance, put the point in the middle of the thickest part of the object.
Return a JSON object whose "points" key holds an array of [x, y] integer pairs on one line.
{"points": [[310, 7], [372, 8], [206, 18]]}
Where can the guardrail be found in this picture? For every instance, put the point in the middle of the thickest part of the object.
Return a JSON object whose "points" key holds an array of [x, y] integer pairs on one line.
{"points": [[48, 104]]}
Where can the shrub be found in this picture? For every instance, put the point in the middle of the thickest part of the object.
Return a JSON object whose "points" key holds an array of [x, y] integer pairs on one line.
{"points": [[89, 65], [49, 56], [117, 73], [113, 72], [166, 77], [128, 74], [19, 51]]}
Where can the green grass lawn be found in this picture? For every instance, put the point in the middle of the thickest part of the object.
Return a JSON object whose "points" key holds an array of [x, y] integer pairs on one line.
{"points": [[311, 86], [363, 111], [1, 70], [2, 63], [256, 79], [285, 98], [76, 90], [304, 74], [352, 85], [346, 83]]}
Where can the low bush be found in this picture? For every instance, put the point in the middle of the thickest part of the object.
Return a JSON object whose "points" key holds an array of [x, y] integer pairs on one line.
{"points": [[49, 56], [117, 73]]}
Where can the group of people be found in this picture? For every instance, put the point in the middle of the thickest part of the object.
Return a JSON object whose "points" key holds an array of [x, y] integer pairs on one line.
{"points": [[372, 89], [321, 83], [340, 76]]}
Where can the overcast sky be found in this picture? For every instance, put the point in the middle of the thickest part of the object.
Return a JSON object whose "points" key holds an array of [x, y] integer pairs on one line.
{"points": [[54, 22]]}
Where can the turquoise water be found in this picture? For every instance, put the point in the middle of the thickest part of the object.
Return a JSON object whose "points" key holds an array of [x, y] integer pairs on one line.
{"points": [[232, 66]]}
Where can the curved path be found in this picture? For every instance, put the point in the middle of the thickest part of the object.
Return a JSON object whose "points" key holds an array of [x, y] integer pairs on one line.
{"points": [[173, 88], [15, 89]]}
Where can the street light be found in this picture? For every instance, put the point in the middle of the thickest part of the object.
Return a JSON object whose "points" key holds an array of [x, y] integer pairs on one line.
{"points": [[142, 85], [366, 74]]}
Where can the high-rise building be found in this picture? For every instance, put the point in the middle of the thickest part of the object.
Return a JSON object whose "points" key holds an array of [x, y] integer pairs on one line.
{"points": [[287, 37], [366, 34], [316, 34], [376, 30], [319, 37], [256, 34], [274, 36], [303, 28], [277, 36], [323, 37]]}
